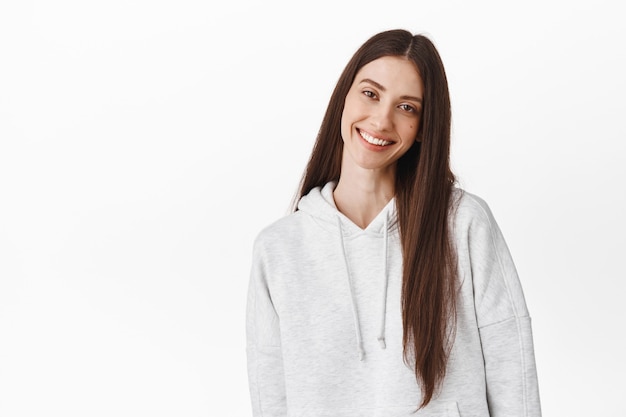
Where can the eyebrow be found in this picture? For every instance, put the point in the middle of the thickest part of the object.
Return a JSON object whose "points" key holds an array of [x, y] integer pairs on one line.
{"points": [[382, 88]]}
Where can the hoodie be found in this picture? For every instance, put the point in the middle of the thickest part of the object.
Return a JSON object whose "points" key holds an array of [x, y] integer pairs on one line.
{"points": [[324, 322]]}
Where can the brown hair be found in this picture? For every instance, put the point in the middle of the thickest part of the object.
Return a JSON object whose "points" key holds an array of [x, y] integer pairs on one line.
{"points": [[423, 188]]}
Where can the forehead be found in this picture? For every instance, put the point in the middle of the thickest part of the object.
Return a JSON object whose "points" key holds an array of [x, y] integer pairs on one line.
{"points": [[393, 73]]}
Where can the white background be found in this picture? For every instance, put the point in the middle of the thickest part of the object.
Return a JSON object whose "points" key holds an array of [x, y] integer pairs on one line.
{"points": [[143, 145]]}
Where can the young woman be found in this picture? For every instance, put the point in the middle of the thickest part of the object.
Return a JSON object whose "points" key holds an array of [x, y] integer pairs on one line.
{"points": [[388, 290]]}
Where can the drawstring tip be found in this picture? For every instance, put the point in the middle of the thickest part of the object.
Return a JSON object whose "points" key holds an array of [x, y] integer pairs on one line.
{"points": [[361, 354], [381, 340]]}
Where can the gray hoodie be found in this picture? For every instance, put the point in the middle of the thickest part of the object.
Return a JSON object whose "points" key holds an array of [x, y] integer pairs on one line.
{"points": [[324, 324]]}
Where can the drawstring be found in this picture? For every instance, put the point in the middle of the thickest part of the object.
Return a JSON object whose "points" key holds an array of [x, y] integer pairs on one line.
{"points": [[383, 313], [355, 314]]}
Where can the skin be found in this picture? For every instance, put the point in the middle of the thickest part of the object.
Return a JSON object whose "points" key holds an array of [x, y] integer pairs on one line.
{"points": [[385, 102]]}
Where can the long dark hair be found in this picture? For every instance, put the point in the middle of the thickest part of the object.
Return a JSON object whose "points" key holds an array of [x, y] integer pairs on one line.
{"points": [[424, 183]]}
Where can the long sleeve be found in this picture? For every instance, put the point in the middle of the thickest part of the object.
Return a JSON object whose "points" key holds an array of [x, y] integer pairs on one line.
{"points": [[265, 363], [504, 323]]}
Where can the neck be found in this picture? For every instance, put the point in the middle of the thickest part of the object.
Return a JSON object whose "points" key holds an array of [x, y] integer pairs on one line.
{"points": [[361, 194]]}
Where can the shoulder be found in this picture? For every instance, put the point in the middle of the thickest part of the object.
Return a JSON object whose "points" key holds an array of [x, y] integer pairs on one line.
{"points": [[472, 219], [468, 208], [283, 230], [476, 231]]}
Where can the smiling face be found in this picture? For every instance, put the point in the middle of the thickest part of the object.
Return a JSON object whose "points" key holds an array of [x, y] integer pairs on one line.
{"points": [[382, 113]]}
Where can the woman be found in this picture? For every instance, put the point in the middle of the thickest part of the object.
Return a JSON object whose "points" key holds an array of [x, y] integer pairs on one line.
{"points": [[388, 290]]}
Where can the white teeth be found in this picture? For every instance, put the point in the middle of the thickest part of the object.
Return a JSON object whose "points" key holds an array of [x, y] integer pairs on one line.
{"points": [[373, 140]]}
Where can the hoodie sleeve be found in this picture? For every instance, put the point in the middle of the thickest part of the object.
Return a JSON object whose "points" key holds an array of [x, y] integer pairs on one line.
{"points": [[503, 322], [265, 363]]}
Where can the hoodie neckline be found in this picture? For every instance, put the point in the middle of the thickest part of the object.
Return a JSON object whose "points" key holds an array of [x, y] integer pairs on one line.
{"points": [[320, 203]]}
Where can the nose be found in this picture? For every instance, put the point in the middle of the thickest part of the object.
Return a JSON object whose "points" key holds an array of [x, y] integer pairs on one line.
{"points": [[382, 119]]}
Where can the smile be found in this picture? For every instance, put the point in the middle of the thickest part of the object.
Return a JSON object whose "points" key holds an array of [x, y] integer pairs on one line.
{"points": [[371, 139]]}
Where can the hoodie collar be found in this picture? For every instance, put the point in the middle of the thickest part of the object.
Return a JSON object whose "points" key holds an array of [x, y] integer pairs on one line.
{"points": [[320, 204]]}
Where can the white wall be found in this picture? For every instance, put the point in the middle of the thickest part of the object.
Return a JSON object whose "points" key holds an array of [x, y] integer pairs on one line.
{"points": [[143, 144]]}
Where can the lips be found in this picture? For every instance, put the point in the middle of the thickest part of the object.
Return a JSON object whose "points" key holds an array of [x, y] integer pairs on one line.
{"points": [[373, 140]]}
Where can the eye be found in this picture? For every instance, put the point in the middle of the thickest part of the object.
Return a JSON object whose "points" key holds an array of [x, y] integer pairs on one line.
{"points": [[408, 108], [369, 93]]}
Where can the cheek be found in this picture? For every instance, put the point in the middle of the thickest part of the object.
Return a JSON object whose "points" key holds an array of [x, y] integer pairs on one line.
{"points": [[345, 126], [348, 117], [410, 130], [414, 127]]}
